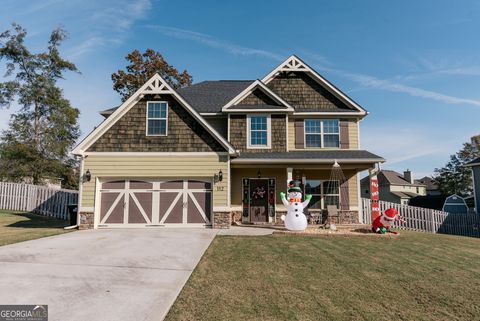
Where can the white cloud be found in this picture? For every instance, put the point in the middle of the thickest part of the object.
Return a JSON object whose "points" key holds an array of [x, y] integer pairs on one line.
{"points": [[110, 25], [213, 42], [383, 84]]}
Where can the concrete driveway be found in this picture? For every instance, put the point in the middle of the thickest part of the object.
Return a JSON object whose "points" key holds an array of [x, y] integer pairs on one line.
{"points": [[127, 274]]}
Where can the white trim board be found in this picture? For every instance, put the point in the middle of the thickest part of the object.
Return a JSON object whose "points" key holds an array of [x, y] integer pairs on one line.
{"points": [[247, 91], [154, 153], [269, 132], [155, 85], [293, 63]]}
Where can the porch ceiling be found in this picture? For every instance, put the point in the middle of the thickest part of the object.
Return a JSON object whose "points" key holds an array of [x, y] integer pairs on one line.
{"points": [[362, 158]]}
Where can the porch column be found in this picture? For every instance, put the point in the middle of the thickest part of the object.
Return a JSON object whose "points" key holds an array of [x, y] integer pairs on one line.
{"points": [[289, 174]]}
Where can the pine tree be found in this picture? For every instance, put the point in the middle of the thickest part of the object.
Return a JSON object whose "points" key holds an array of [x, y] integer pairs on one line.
{"points": [[40, 135], [454, 177]]}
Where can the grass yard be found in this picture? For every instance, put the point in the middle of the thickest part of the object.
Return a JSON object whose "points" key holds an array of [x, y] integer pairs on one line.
{"points": [[20, 226], [413, 277]]}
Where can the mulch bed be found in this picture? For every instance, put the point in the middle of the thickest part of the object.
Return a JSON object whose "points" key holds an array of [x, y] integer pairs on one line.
{"points": [[341, 231]]}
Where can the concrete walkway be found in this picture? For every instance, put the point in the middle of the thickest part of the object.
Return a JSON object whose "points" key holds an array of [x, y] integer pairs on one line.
{"points": [[247, 231], [103, 275]]}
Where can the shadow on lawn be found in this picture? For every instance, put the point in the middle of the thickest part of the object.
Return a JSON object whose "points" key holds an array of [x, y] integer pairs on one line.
{"points": [[37, 221]]}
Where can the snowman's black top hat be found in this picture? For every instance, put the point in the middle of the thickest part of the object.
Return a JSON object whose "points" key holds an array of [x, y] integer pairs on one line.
{"points": [[294, 186]]}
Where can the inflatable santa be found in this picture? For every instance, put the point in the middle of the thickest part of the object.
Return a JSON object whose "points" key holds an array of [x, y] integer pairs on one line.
{"points": [[383, 223], [295, 220]]}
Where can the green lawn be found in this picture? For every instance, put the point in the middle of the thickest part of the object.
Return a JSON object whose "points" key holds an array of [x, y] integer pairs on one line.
{"points": [[413, 277], [20, 226]]}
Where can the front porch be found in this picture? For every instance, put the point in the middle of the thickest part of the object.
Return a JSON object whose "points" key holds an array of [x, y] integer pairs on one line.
{"points": [[255, 192]]}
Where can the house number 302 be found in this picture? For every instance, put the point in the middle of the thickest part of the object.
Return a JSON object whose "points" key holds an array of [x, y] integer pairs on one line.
{"points": [[219, 188]]}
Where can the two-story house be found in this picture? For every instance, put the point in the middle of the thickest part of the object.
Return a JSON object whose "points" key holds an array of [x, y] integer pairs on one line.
{"points": [[394, 187], [219, 151]]}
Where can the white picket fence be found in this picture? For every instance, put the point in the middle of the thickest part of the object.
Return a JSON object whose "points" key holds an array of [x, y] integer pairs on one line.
{"points": [[427, 220], [40, 200]]}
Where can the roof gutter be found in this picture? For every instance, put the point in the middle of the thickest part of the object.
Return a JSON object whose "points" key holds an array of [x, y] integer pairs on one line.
{"points": [[305, 161]]}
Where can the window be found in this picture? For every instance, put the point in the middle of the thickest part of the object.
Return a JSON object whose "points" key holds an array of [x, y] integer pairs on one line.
{"points": [[157, 118], [258, 131], [323, 193], [322, 133], [313, 133]]}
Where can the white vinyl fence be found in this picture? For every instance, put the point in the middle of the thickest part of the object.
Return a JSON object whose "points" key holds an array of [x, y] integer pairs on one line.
{"points": [[427, 220], [40, 200]]}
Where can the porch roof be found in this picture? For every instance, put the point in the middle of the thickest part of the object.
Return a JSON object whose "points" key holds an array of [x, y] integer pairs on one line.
{"points": [[309, 157]]}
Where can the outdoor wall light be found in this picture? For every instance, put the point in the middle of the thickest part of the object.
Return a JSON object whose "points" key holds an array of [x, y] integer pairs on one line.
{"points": [[87, 176], [259, 174], [218, 177]]}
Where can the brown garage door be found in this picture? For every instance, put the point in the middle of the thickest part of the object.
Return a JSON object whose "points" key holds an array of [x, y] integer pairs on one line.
{"points": [[138, 203]]}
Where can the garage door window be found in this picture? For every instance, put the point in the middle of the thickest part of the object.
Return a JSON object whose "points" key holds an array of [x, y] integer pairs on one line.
{"points": [[157, 118]]}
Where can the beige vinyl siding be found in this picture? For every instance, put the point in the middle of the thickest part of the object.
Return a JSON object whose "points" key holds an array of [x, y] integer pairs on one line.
{"points": [[352, 133], [353, 191], [291, 134], [184, 166]]}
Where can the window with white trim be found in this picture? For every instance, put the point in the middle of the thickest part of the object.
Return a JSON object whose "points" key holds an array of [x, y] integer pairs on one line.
{"points": [[322, 133], [323, 193], [258, 131], [157, 118]]}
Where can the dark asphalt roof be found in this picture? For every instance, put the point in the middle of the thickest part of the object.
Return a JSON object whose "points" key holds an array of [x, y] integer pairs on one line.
{"points": [[428, 182], [108, 112], [257, 107], [314, 155], [330, 110], [211, 96]]}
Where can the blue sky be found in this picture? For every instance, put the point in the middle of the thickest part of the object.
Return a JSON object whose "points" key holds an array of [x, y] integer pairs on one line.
{"points": [[414, 65]]}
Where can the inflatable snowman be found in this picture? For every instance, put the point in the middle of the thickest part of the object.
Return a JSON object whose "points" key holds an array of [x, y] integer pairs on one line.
{"points": [[383, 223], [295, 220]]}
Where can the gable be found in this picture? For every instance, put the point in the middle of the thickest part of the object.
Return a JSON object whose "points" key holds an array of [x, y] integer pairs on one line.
{"points": [[258, 97], [154, 87], [314, 93], [304, 93], [128, 134]]}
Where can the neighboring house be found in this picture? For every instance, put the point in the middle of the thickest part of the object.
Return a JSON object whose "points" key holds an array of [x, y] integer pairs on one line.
{"points": [[221, 150], [394, 187], [430, 184], [475, 166]]}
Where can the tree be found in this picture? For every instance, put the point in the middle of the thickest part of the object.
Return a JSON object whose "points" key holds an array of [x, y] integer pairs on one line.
{"points": [[454, 177], [141, 68], [42, 132]]}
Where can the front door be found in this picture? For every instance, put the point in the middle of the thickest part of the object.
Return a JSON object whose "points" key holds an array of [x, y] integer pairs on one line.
{"points": [[259, 200]]}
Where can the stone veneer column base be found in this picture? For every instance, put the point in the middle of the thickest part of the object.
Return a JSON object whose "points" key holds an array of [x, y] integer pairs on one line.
{"points": [[86, 220], [222, 220], [345, 217]]}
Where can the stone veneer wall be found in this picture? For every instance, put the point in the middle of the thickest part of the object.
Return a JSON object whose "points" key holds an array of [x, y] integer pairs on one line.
{"points": [[86, 220], [221, 220]]}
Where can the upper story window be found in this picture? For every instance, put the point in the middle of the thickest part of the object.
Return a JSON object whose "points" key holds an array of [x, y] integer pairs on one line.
{"points": [[157, 118], [322, 133], [258, 131]]}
